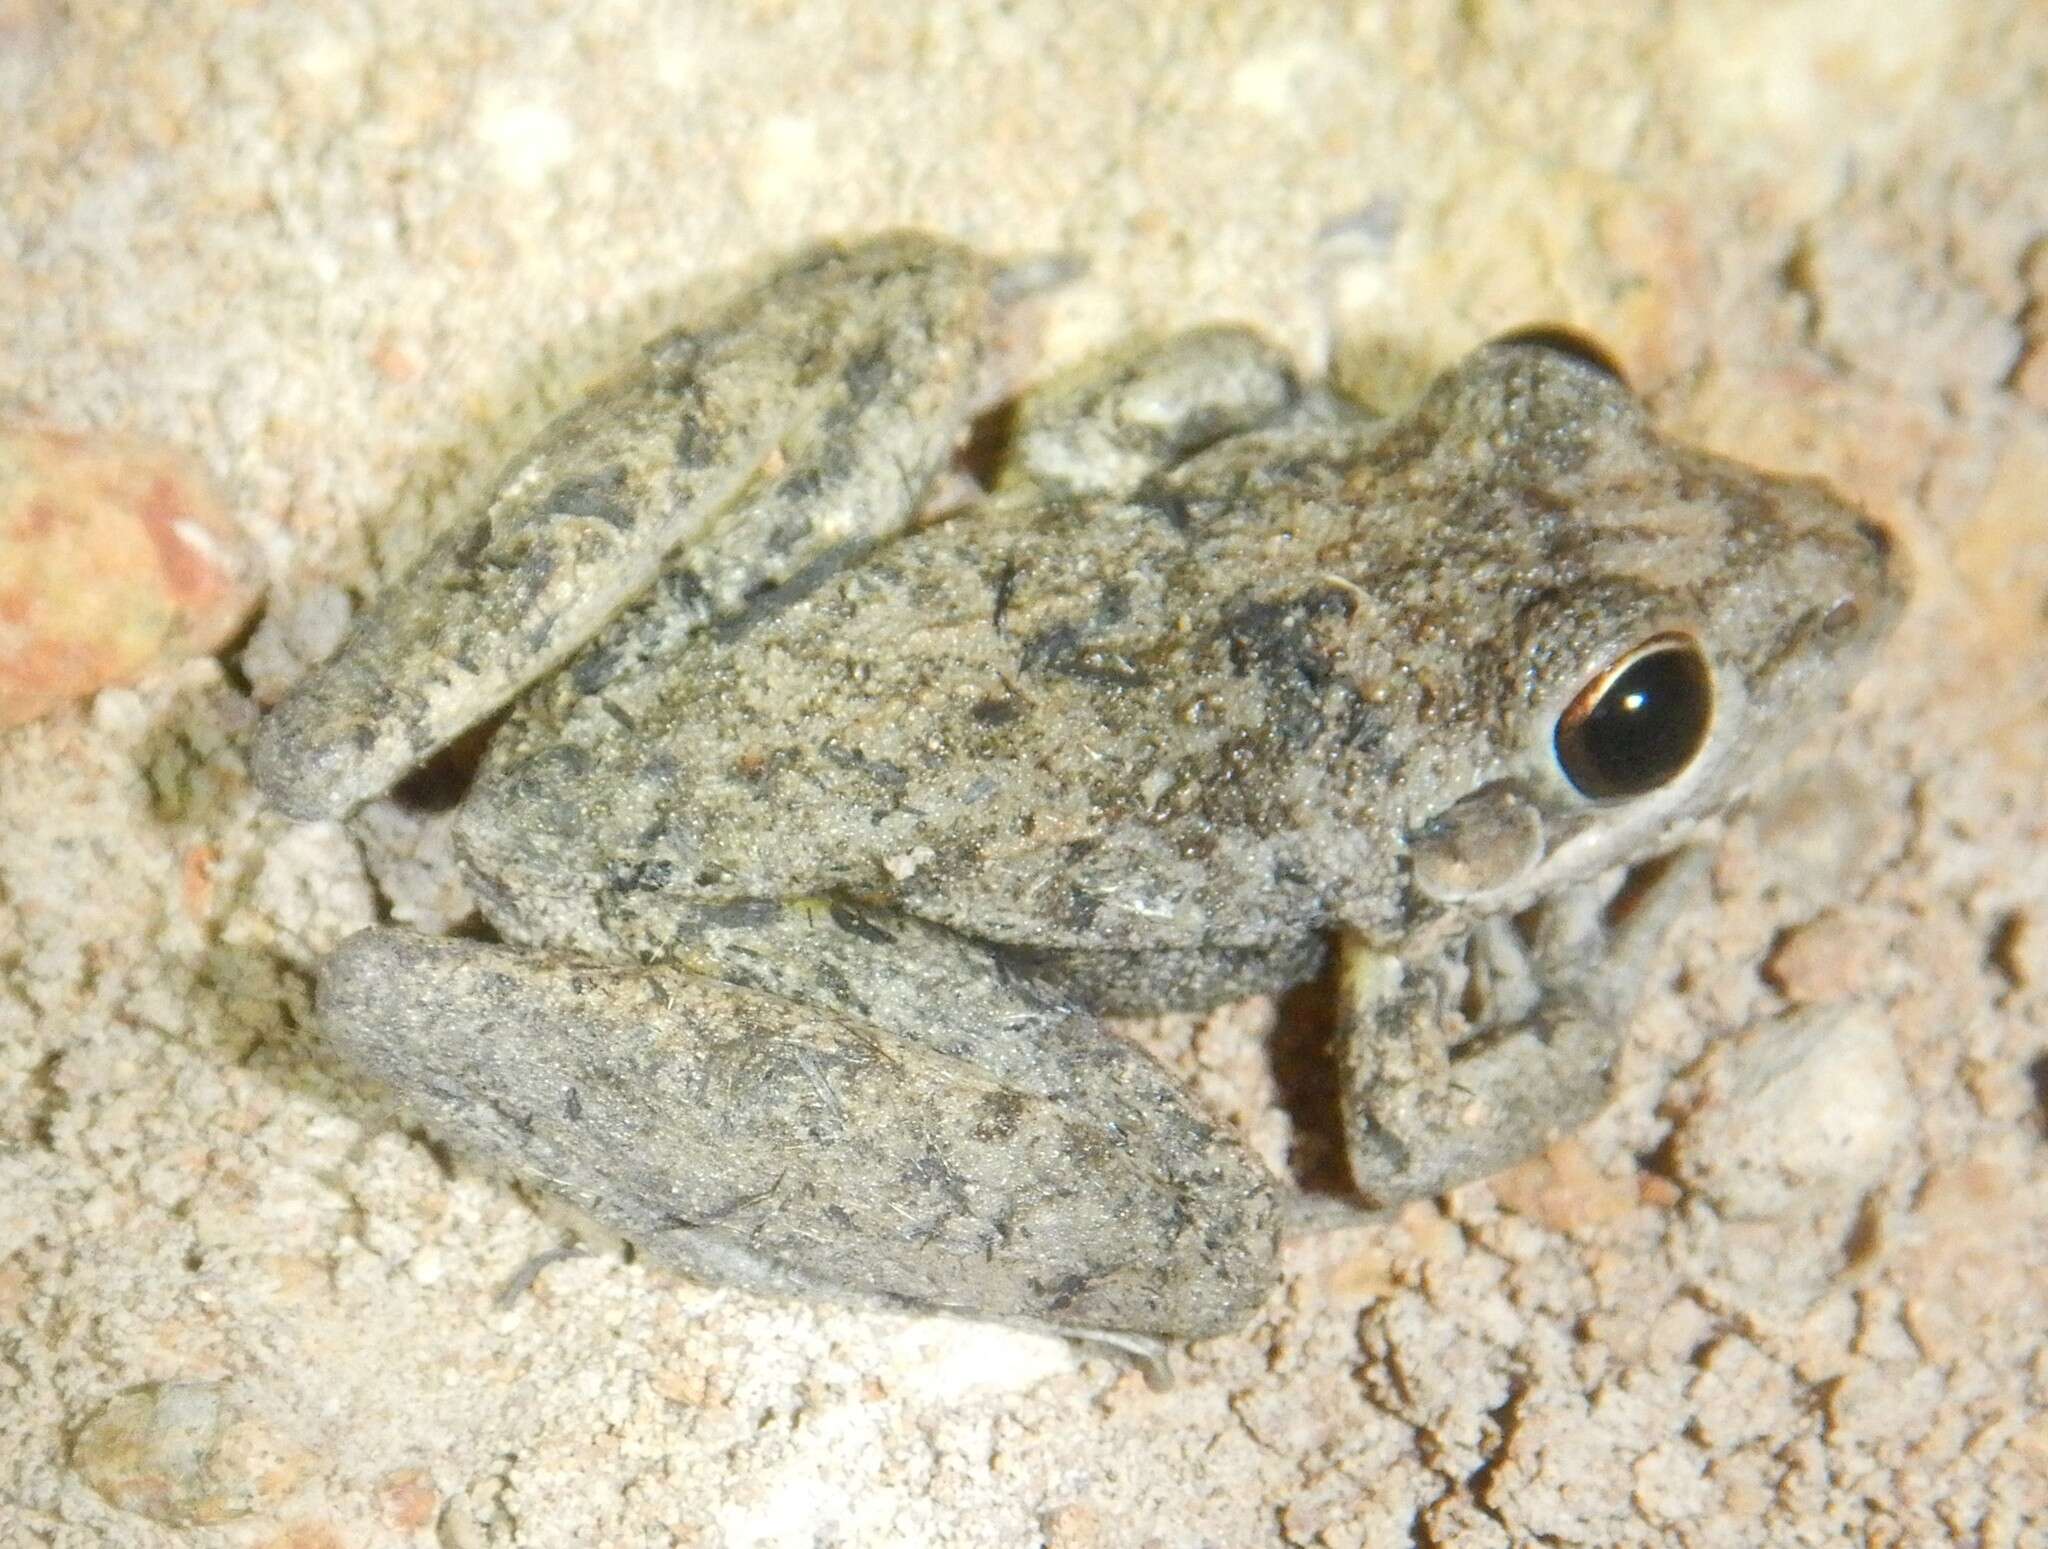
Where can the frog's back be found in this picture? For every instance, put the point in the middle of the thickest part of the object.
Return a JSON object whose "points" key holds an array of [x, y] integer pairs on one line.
{"points": [[1204, 715], [1056, 725]]}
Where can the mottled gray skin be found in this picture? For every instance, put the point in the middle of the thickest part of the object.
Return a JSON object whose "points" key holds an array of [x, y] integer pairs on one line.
{"points": [[811, 892]]}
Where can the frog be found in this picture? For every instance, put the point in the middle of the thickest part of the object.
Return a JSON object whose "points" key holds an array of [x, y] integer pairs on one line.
{"points": [[834, 810]]}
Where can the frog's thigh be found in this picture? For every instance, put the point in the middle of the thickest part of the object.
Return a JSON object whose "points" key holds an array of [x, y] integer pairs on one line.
{"points": [[804, 418], [1108, 423], [745, 1137]]}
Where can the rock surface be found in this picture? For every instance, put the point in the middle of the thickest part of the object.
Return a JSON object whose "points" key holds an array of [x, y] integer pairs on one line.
{"points": [[116, 557], [348, 255], [1797, 1116]]}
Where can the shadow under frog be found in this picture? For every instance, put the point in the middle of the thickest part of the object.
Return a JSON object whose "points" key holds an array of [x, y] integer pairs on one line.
{"points": [[818, 842]]}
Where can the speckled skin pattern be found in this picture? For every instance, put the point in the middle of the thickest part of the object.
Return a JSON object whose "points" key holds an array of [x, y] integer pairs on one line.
{"points": [[813, 875]]}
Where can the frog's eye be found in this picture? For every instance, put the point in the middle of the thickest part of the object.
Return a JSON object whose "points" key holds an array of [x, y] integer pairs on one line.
{"points": [[1568, 342], [1640, 722]]}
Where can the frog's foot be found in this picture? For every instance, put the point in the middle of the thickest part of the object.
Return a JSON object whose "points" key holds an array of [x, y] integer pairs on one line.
{"points": [[1032, 1169], [1114, 420], [1460, 1067], [804, 420]]}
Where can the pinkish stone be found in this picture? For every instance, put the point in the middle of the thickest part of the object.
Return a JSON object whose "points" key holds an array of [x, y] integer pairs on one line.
{"points": [[116, 556]]}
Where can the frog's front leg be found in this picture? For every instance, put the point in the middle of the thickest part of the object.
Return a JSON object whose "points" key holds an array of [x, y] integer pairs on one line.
{"points": [[804, 419], [1464, 1064], [1105, 425], [921, 1127]]}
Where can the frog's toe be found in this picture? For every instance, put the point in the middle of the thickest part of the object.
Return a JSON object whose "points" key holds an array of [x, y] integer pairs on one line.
{"points": [[1496, 1105], [1424, 1114], [330, 746]]}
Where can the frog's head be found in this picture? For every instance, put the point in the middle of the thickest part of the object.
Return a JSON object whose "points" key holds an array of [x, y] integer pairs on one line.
{"points": [[1675, 622]]}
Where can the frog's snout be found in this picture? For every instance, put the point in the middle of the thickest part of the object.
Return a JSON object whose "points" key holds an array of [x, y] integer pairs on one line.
{"points": [[1859, 574], [1879, 582], [1878, 568]]}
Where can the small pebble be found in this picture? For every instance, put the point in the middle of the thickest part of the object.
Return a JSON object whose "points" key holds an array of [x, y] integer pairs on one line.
{"points": [[1798, 1114], [293, 634], [154, 1451], [407, 1499], [116, 557], [1564, 1190], [1831, 957], [2019, 949]]}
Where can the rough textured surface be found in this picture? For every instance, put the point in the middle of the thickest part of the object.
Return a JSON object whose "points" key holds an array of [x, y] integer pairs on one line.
{"points": [[350, 259]]}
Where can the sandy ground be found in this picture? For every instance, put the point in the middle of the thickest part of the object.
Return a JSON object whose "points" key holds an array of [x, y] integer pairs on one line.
{"points": [[1792, 1289]]}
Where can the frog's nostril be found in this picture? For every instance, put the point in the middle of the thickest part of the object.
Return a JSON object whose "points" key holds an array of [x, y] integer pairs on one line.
{"points": [[1844, 618], [1877, 537]]}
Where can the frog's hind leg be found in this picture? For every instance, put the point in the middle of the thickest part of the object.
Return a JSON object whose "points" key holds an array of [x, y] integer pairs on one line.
{"points": [[1456, 1069], [1105, 426], [804, 419], [876, 1109]]}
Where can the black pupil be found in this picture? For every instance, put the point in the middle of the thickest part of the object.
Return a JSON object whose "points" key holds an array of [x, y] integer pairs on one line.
{"points": [[1647, 725]]}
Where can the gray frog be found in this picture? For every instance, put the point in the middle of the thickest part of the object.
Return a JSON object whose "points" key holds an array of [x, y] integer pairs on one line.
{"points": [[819, 839]]}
